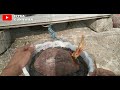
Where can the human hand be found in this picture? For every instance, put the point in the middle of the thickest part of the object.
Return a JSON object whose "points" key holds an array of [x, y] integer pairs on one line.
{"points": [[19, 60], [22, 56]]}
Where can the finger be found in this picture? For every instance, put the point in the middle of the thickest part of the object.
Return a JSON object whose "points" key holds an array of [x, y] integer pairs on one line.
{"points": [[26, 47], [31, 48], [23, 48], [19, 49]]}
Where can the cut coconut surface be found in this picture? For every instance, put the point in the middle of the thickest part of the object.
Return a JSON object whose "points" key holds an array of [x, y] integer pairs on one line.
{"points": [[57, 62]]}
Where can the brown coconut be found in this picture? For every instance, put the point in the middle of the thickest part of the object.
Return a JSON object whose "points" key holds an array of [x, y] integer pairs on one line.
{"points": [[104, 72], [55, 62]]}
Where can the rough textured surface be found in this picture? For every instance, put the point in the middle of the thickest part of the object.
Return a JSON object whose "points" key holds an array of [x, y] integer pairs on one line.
{"points": [[104, 47], [116, 20], [100, 25], [5, 40], [55, 62]]}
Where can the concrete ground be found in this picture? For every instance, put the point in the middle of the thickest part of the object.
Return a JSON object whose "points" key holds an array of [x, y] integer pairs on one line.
{"points": [[103, 47]]}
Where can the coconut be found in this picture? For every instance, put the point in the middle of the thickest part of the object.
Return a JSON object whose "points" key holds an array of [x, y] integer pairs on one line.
{"points": [[57, 62]]}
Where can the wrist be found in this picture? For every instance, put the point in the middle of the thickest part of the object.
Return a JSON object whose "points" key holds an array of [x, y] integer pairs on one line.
{"points": [[12, 70]]}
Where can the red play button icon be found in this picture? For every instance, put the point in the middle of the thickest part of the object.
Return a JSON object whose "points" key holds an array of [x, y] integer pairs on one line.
{"points": [[7, 17]]}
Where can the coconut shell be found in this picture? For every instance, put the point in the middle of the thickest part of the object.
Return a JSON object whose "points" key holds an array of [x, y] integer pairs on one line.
{"points": [[55, 62], [104, 72]]}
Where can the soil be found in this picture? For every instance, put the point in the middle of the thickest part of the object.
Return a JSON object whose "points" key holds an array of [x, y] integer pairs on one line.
{"points": [[57, 62]]}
